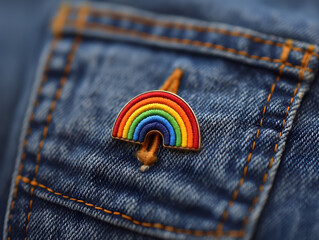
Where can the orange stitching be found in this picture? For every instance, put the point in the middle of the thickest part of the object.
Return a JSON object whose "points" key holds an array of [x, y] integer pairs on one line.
{"points": [[29, 130], [232, 233], [284, 56], [29, 214], [151, 22], [305, 62], [83, 13], [119, 30], [59, 21]]}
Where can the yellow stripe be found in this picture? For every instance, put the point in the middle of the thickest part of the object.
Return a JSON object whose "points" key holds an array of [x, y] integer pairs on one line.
{"points": [[167, 109]]}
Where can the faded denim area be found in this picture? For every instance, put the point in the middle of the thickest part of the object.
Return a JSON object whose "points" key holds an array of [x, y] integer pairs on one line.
{"points": [[245, 88]]}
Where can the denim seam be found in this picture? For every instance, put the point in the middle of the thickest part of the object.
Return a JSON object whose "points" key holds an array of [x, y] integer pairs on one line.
{"points": [[81, 21], [284, 56], [44, 134], [198, 233], [305, 62], [179, 25], [183, 41], [58, 23], [52, 46]]}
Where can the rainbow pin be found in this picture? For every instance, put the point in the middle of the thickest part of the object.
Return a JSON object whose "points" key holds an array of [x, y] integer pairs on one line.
{"points": [[163, 114]]}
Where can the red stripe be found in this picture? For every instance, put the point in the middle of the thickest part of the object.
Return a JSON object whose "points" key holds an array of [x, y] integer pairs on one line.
{"points": [[174, 98]]}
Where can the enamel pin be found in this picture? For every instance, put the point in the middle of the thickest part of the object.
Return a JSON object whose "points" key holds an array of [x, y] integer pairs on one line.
{"points": [[154, 115]]}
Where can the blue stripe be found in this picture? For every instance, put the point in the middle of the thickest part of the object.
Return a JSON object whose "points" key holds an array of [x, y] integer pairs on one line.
{"points": [[159, 119]]}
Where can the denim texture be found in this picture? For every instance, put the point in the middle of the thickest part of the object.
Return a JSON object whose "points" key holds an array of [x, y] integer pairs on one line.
{"points": [[83, 177], [295, 191], [23, 35]]}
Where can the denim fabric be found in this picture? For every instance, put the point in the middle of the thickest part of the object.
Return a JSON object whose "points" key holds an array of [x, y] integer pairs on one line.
{"points": [[296, 191], [24, 31], [245, 88], [286, 18]]}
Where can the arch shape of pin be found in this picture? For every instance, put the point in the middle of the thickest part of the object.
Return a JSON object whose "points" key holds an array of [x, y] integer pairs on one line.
{"points": [[159, 111]]}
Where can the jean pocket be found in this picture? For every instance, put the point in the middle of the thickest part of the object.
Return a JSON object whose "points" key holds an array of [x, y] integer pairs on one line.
{"points": [[244, 87]]}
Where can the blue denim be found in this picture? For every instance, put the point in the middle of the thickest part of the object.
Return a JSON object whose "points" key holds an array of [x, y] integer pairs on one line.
{"points": [[250, 86], [24, 31], [293, 204]]}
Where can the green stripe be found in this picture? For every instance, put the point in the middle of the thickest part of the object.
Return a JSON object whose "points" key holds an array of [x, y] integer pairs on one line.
{"points": [[159, 112]]}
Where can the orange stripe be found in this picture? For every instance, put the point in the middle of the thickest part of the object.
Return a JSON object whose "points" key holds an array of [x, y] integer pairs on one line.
{"points": [[167, 102]]}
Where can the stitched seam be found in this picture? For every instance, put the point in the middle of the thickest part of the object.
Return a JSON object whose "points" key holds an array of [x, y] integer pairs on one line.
{"points": [[61, 18], [29, 130], [29, 213], [284, 56], [305, 62], [81, 20], [44, 135], [144, 35], [233, 233], [178, 25]]}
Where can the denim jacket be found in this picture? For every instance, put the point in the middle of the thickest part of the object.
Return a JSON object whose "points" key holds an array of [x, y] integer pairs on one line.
{"points": [[250, 78]]}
